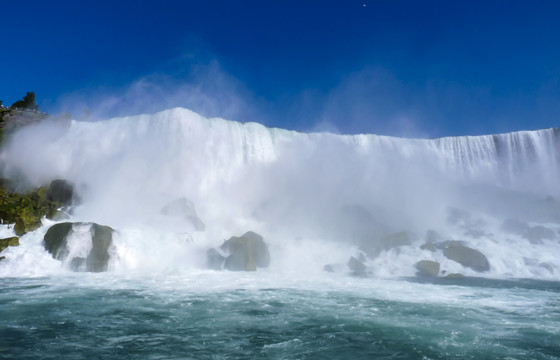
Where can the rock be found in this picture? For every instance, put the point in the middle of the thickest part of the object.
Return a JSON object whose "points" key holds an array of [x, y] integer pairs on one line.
{"points": [[328, 268], [55, 240], [97, 259], [357, 267], [78, 264], [57, 215], [535, 234], [427, 268], [513, 226], [25, 210], [184, 208], [454, 276], [214, 260], [60, 191], [429, 246], [11, 241], [2, 258], [474, 259], [432, 236], [246, 253], [19, 227]]}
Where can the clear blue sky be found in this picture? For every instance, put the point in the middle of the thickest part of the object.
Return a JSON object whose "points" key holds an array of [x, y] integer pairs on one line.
{"points": [[424, 68]]}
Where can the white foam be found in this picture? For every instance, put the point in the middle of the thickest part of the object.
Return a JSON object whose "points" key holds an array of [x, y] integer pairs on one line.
{"points": [[288, 186]]}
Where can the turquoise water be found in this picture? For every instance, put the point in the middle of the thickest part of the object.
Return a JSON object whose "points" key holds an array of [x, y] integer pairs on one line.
{"points": [[221, 316]]}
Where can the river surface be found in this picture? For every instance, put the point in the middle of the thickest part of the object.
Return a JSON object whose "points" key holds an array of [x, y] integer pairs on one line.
{"points": [[223, 315]]}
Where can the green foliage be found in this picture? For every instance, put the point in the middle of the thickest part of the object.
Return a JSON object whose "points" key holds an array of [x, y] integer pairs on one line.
{"points": [[11, 241], [28, 102], [24, 210]]}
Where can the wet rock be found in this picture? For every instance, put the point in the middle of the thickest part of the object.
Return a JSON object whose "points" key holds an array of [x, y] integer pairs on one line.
{"points": [[429, 246], [466, 256], [2, 258], [357, 267], [184, 208], [535, 234], [329, 268], [78, 264], [97, 259], [454, 276], [57, 215], [427, 268], [19, 227], [214, 260], [11, 241], [60, 191], [24, 210], [514, 226], [55, 240], [246, 253]]}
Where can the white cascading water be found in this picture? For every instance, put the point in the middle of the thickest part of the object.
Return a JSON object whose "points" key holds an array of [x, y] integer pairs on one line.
{"points": [[289, 187]]}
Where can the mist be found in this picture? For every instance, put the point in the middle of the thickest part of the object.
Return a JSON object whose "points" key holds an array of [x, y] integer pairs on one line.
{"points": [[200, 134], [289, 186]]}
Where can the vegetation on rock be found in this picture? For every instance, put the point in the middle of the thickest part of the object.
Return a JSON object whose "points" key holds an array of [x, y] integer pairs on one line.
{"points": [[25, 210], [11, 241], [28, 102]]}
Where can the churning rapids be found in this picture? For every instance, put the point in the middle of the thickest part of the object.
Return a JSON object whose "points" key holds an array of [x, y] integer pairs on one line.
{"points": [[362, 233]]}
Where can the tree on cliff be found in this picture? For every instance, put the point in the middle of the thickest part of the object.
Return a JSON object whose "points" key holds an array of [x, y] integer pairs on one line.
{"points": [[28, 102]]}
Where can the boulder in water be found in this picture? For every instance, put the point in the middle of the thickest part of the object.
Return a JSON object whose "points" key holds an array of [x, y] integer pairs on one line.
{"points": [[429, 246], [427, 268], [246, 253], [454, 276], [60, 191], [464, 255], [514, 226], [214, 260], [97, 259], [357, 267], [536, 234], [184, 208]]}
